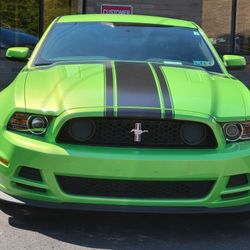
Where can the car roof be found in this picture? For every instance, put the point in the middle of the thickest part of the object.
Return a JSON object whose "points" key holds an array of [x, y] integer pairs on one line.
{"points": [[140, 19]]}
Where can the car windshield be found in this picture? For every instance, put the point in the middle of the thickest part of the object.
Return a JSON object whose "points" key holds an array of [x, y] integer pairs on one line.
{"points": [[90, 41]]}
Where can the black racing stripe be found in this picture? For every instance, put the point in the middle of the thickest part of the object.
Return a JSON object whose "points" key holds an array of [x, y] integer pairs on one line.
{"points": [[139, 113], [136, 87], [109, 112], [165, 91]]}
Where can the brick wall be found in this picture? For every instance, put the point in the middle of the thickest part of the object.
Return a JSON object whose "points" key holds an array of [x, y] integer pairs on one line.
{"points": [[216, 17], [216, 21], [183, 9]]}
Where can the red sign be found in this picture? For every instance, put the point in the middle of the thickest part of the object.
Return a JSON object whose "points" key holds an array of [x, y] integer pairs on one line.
{"points": [[117, 9]]}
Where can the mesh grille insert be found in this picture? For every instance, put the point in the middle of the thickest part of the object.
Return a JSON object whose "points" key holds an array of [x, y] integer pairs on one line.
{"points": [[30, 173], [135, 189], [234, 195], [237, 180], [117, 132], [31, 188]]}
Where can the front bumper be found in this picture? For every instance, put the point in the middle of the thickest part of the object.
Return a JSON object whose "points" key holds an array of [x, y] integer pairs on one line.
{"points": [[123, 164]]}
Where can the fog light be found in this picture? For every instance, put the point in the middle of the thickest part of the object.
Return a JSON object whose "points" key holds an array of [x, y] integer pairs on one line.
{"points": [[233, 131], [81, 130], [193, 134]]}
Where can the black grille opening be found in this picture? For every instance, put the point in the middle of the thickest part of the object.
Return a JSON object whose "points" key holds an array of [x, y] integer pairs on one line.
{"points": [[117, 132], [30, 174], [135, 189], [237, 180], [31, 188], [234, 195]]}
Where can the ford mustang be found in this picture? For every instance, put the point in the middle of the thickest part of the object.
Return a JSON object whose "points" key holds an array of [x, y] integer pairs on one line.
{"points": [[126, 113]]}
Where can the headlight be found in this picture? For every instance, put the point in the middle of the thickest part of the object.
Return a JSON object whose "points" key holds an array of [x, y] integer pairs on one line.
{"points": [[236, 131], [29, 123]]}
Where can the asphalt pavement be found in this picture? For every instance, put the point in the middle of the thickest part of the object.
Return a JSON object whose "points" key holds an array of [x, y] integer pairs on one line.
{"points": [[33, 228]]}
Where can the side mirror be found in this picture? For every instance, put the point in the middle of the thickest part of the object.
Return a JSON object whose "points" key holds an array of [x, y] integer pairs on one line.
{"points": [[233, 62], [18, 54]]}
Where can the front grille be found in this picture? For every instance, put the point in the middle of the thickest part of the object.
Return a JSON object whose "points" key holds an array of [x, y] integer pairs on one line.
{"points": [[135, 189], [117, 132]]}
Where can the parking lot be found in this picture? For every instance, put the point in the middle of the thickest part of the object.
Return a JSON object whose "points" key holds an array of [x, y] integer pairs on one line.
{"points": [[32, 228]]}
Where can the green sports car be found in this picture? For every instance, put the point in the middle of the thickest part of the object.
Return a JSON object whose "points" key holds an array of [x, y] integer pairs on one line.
{"points": [[126, 113]]}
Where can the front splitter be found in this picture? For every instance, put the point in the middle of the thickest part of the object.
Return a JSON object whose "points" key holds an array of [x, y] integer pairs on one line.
{"points": [[123, 209]]}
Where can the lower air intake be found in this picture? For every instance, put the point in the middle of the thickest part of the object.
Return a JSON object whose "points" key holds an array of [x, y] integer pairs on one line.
{"points": [[135, 189], [30, 174]]}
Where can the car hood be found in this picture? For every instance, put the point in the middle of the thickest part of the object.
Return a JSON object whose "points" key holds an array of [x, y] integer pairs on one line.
{"points": [[131, 89]]}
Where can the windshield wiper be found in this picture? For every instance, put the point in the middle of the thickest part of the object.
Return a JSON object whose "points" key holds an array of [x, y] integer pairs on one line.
{"points": [[43, 63]]}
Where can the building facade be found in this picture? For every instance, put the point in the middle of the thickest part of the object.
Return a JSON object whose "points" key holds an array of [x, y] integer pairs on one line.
{"points": [[227, 22]]}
